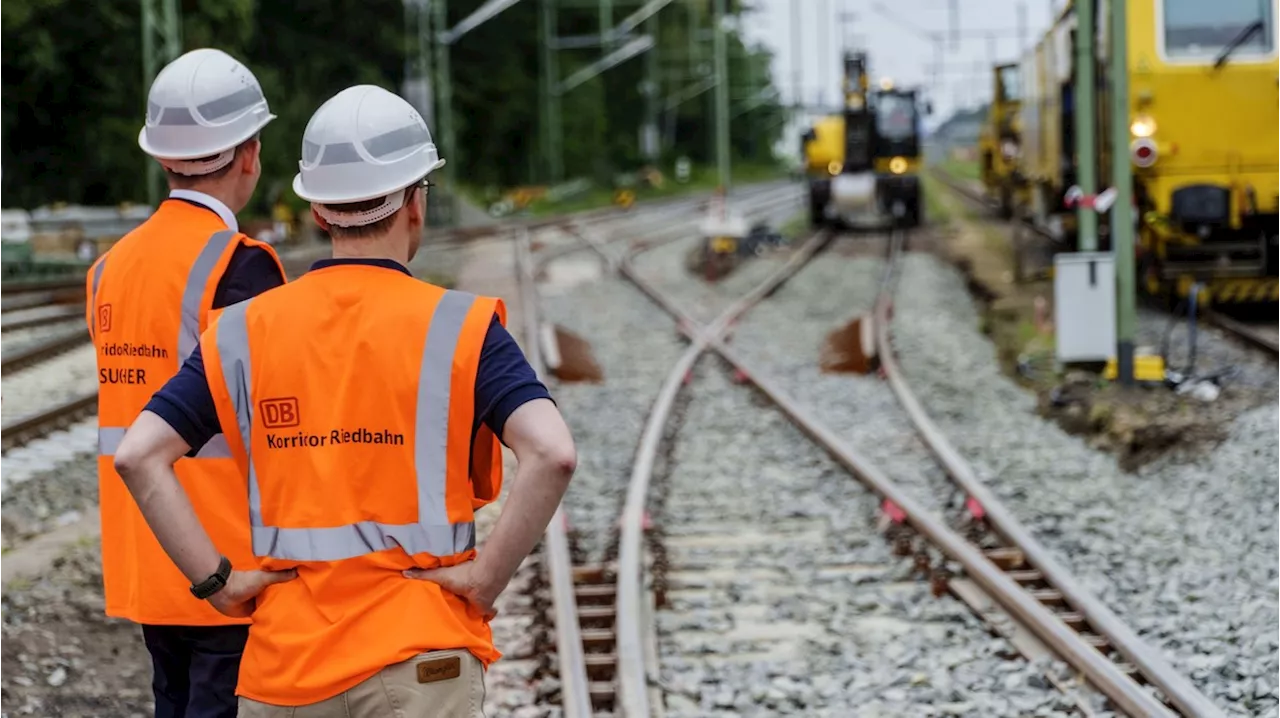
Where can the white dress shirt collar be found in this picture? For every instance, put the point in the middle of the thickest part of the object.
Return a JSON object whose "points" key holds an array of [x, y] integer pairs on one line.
{"points": [[212, 203]]}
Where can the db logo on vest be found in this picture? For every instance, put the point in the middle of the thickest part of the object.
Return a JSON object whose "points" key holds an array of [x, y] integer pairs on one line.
{"points": [[279, 413], [104, 318]]}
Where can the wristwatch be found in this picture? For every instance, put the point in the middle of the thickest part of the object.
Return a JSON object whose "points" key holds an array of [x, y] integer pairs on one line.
{"points": [[214, 583]]}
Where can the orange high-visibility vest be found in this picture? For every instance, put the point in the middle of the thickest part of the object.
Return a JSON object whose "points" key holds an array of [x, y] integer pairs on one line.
{"points": [[147, 301], [347, 397]]}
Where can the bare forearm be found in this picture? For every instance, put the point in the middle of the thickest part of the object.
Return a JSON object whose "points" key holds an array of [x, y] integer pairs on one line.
{"points": [[539, 485], [172, 519]]}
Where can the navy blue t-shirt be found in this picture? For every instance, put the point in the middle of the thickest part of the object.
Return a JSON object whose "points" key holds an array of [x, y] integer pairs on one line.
{"points": [[504, 379]]}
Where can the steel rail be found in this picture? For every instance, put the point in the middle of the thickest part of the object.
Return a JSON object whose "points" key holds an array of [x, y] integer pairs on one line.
{"points": [[671, 215], [575, 697], [973, 197], [1101, 671], [42, 422], [62, 314], [1018, 602], [633, 681], [47, 290], [575, 681], [22, 286], [1243, 331], [1012, 597], [37, 351], [39, 298]]}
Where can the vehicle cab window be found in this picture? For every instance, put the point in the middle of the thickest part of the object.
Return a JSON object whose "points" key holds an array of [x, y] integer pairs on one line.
{"points": [[1197, 29], [1010, 91], [895, 116]]}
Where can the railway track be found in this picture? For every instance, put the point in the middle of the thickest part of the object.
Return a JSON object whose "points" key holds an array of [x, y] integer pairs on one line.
{"points": [[45, 349], [1032, 586], [32, 304], [1003, 565], [1257, 335], [40, 316], [584, 607]]}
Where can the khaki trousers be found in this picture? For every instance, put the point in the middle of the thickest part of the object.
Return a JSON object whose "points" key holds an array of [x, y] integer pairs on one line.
{"points": [[449, 684]]}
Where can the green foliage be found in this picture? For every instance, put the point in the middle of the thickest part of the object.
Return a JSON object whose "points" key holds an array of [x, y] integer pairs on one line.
{"points": [[74, 92]]}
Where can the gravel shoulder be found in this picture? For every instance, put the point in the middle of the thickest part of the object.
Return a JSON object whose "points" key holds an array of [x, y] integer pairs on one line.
{"points": [[1136, 426], [1185, 550], [61, 655]]}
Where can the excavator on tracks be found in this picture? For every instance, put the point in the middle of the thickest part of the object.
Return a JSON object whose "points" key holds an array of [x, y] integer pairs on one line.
{"points": [[863, 165]]}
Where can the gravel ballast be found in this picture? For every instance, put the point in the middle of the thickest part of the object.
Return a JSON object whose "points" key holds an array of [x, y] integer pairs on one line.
{"points": [[784, 337], [50, 382], [635, 345], [1185, 550], [16, 340], [783, 599]]}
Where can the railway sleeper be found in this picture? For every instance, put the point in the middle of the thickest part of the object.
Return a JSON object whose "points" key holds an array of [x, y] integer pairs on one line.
{"points": [[598, 640], [601, 666], [1026, 576], [601, 692], [1099, 642], [595, 594], [1048, 596], [1006, 557], [1075, 621]]}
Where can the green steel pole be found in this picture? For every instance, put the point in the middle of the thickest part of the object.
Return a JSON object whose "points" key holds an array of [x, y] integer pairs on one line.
{"points": [[650, 144], [694, 55], [722, 99], [606, 25], [1086, 121], [550, 96], [149, 71], [544, 86], [1122, 181], [444, 95], [424, 57], [163, 24]]}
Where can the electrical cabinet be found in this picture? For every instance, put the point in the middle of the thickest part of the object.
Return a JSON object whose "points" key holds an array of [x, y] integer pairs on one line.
{"points": [[1084, 306]]}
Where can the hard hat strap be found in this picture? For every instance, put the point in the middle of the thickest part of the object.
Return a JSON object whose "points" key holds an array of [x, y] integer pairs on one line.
{"points": [[204, 166], [393, 202]]}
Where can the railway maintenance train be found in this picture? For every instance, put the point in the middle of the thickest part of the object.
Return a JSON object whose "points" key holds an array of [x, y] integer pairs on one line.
{"points": [[1203, 141], [864, 164], [999, 143]]}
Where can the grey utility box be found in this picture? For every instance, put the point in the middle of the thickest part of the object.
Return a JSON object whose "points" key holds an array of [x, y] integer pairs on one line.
{"points": [[1084, 306]]}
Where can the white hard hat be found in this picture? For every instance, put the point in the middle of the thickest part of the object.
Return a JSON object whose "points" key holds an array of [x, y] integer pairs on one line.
{"points": [[364, 143], [204, 103]]}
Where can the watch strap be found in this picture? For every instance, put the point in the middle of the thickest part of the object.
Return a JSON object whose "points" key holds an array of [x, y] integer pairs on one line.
{"points": [[215, 582]]}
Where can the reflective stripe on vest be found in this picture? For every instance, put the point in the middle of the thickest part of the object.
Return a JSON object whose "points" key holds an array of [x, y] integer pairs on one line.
{"points": [[432, 534], [188, 337], [109, 438]]}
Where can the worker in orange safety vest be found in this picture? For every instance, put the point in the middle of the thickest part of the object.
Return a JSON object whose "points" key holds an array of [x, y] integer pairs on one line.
{"points": [[147, 301], [364, 408]]}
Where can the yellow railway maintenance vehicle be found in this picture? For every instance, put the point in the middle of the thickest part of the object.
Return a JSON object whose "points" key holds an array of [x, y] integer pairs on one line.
{"points": [[864, 165], [1204, 139], [823, 150], [1001, 141]]}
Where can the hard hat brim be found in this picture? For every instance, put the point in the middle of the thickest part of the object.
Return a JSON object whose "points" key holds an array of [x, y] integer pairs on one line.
{"points": [[299, 190], [222, 147]]}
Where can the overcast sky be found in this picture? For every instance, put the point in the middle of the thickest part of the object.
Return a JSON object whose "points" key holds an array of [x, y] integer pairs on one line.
{"points": [[896, 50]]}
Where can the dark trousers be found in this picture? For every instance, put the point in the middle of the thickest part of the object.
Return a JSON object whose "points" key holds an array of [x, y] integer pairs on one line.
{"points": [[196, 668]]}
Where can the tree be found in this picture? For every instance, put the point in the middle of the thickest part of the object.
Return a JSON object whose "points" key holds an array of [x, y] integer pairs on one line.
{"points": [[74, 92]]}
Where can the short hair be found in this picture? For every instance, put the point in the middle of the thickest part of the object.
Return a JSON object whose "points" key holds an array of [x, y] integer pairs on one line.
{"points": [[181, 181], [373, 229]]}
